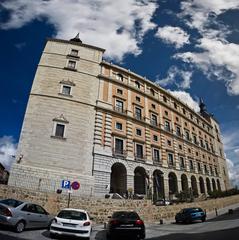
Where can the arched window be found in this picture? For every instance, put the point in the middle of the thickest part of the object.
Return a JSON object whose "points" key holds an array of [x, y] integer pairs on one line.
{"points": [[137, 84], [119, 77]]}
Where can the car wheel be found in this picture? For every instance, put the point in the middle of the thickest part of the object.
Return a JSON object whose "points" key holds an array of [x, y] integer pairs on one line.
{"points": [[19, 227]]}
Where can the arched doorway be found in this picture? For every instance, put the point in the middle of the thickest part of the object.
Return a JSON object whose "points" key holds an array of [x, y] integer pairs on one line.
{"points": [[194, 186], [139, 180], [184, 182], [118, 179], [158, 185], [208, 185], [172, 183], [214, 187], [201, 184], [218, 185]]}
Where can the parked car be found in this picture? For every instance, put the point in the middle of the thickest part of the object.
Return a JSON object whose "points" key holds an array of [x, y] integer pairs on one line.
{"points": [[72, 222], [21, 215], [162, 202], [125, 224], [188, 215]]}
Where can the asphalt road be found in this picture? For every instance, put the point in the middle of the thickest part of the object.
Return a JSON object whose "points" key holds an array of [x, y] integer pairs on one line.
{"points": [[221, 228]]}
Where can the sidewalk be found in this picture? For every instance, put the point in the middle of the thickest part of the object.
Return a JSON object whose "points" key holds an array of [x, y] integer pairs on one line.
{"points": [[210, 215]]}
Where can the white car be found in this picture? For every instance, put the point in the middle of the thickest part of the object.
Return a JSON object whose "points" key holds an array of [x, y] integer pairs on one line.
{"points": [[71, 222]]}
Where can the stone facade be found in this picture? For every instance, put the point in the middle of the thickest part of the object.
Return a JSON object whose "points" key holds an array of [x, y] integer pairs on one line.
{"points": [[112, 130]]}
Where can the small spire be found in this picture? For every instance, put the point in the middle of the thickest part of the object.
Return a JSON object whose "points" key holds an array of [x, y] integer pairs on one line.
{"points": [[202, 106], [76, 38]]}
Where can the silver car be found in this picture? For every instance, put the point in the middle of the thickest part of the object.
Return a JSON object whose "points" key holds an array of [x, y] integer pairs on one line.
{"points": [[21, 215]]}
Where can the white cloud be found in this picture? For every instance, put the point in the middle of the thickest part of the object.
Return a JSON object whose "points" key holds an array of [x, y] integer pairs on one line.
{"points": [[173, 35], [237, 107], [117, 26], [218, 60], [233, 171], [186, 98], [7, 151], [182, 79], [200, 11]]}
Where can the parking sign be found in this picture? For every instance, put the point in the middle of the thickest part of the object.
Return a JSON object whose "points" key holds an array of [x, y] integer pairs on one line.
{"points": [[66, 184]]}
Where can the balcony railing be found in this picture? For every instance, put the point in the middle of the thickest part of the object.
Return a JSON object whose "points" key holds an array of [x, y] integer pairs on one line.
{"points": [[139, 157], [154, 123], [119, 153], [119, 109], [171, 165], [182, 167], [139, 117]]}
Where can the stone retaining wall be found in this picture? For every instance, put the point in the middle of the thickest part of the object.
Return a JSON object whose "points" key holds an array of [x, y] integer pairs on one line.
{"points": [[100, 209]]}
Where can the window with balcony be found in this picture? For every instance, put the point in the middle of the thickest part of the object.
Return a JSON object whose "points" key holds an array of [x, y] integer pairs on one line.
{"points": [[170, 159], [195, 139], [199, 167], [167, 126], [191, 164], [154, 120], [187, 135], [175, 105], [216, 172], [138, 113], [182, 163], [139, 153], [119, 147], [119, 106], [156, 155], [119, 126], [178, 131]]}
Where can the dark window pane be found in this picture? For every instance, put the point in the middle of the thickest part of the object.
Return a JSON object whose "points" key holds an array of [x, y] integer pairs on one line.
{"points": [[60, 130]]}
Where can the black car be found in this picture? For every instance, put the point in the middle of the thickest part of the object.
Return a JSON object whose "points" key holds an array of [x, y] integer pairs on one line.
{"points": [[188, 215], [125, 224]]}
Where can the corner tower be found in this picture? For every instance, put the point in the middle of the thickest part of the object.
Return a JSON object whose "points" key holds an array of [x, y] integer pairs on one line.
{"points": [[57, 135]]}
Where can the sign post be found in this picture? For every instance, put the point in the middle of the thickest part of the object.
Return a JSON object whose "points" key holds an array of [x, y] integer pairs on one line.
{"points": [[66, 184]]}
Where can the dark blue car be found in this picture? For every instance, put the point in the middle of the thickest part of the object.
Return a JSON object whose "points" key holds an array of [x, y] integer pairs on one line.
{"points": [[188, 215]]}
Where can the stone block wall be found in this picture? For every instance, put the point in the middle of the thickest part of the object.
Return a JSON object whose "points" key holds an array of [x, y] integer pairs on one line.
{"points": [[100, 208]]}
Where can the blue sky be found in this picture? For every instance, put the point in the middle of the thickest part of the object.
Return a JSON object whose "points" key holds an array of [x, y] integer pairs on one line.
{"points": [[189, 47]]}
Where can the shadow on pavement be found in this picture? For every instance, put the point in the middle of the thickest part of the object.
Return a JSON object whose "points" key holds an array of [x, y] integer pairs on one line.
{"points": [[234, 215], [232, 234]]}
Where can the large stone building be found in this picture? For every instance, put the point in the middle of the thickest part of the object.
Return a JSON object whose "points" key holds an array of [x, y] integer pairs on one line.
{"points": [[112, 130]]}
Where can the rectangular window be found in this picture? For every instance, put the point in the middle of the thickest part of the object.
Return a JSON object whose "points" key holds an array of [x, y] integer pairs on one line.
{"points": [[74, 52], [156, 155], [139, 151], [211, 171], [118, 126], [138, 113], [119, 106], [119, 146], [66, 90], [137, 99], [119, 91], [205, 169], [167, 126], [71, 64], [60, 129], [194, 139], [187, 136], [153, 119], [155, 138], [169, 143], [199, 167], [170, 159], [138, 132]]}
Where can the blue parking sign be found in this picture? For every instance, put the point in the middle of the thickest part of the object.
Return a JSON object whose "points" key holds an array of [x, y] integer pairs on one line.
{"points": [[66, 184]]}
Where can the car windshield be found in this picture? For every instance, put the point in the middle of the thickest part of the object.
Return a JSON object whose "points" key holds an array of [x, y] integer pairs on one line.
{"points": [[129, 215], [11, 202], [71, 214]]}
